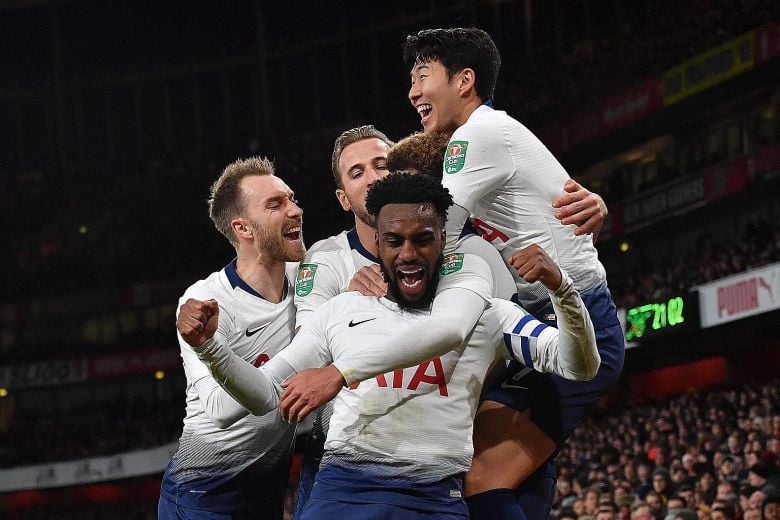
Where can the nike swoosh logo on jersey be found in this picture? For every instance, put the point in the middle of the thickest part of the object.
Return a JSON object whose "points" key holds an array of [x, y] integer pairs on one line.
{"points": [[510, 384], [253, 332], [355, 323]]}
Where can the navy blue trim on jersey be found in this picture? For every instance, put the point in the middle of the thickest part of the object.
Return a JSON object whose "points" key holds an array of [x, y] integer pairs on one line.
{"points": [[508, 343], [538, 330], [521, 323], [468, 229], [525, 348], [236, 281], [488, 102], [354, 243]]}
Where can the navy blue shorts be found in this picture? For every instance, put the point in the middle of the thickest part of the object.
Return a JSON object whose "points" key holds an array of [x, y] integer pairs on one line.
{"points": [[167, 510], [558, 405], [357, 493]]}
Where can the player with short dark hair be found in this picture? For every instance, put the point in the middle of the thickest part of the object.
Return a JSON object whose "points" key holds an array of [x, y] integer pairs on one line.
{"points": [[230, 464], [503, 178]]}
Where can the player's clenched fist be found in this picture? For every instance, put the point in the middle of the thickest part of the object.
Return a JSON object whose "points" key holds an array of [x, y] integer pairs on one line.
{"points": [[534, 264], [197, 321]]}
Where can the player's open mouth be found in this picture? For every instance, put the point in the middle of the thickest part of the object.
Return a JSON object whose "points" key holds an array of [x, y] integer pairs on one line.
{"points": [[293, 233], [424, 109], [411, 280]]}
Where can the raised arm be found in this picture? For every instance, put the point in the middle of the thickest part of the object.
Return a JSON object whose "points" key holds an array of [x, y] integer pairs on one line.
{"points": [[256, 389], [570, 350]]}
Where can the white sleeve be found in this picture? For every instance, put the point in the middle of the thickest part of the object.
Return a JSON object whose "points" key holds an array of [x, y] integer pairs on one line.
{"points": [[316, 283], [259, 389], [477, 162], [218, 405], [569, 351], [461, 298]]}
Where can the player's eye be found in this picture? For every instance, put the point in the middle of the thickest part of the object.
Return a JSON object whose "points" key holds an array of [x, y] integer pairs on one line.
{"points": [[355, 174]]}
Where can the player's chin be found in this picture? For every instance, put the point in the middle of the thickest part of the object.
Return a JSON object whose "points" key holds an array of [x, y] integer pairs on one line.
{"points": [[295, 250]]}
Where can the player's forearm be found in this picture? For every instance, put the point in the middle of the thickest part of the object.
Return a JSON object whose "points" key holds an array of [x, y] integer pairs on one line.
{"points": [[218, 405], [257, 390], [454, 314], [578, 356]]}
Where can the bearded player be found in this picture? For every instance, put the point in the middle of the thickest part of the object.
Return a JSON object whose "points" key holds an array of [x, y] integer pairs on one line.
{"points": [[230, 464]]}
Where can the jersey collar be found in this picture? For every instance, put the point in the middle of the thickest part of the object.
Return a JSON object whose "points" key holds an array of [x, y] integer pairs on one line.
{"points": [[354, 243], [236, 281]]}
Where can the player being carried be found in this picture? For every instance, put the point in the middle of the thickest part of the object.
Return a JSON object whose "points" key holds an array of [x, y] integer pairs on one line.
{"points": [[504, 179]]}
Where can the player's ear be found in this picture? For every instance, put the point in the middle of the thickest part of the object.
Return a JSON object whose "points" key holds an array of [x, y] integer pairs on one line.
{"points": [[467, 82], [346, 206], [241, 228]]}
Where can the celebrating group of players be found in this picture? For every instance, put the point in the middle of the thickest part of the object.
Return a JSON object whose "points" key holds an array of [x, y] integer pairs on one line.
{"points": [[391, 330]]}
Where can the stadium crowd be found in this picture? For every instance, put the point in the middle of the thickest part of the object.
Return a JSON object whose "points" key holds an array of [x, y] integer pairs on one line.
{"points": [[702, 453], [707, 260]]}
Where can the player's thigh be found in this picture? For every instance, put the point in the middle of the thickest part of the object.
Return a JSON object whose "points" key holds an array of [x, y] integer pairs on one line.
{"points": [[578, 397], [508, 447], [319, 508], [167, 510]]}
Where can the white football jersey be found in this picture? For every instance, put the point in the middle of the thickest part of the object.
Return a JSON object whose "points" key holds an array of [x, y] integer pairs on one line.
{"points": [[209, 457], [506, 179]]}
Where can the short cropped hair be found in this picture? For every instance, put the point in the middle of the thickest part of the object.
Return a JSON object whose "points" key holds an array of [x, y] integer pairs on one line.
{"points": [[407, 188], [457, 49], [423, 153], [226, 201], [348, 137]]}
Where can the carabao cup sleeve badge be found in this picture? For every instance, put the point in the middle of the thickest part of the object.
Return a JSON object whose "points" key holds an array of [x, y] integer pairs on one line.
{"points": [[304, 282], [451, 264], [455, 157]]}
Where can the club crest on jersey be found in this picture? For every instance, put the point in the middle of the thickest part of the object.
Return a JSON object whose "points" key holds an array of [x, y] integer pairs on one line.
{"points": [[455, 157], [304, 282], [451, 264]]}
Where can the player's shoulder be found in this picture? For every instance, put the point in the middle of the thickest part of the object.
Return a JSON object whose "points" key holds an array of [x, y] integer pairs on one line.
{"points": [[327, 246], [215, 285], [483, 125], [460, 263]]}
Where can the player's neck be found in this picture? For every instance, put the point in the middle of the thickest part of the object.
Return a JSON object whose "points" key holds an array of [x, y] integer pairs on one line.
{"points": [[264, 275], [468, 108], [367, 236]]}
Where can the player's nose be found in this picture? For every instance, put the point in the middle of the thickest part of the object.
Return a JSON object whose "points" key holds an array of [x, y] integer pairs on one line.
{"points": [[407, 252], [414, 92]]}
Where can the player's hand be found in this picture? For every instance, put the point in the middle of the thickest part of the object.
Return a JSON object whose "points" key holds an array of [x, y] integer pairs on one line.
{"points": [[369, 281], [308, 390], [534, 264], [580, 206], [197, 321]]}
